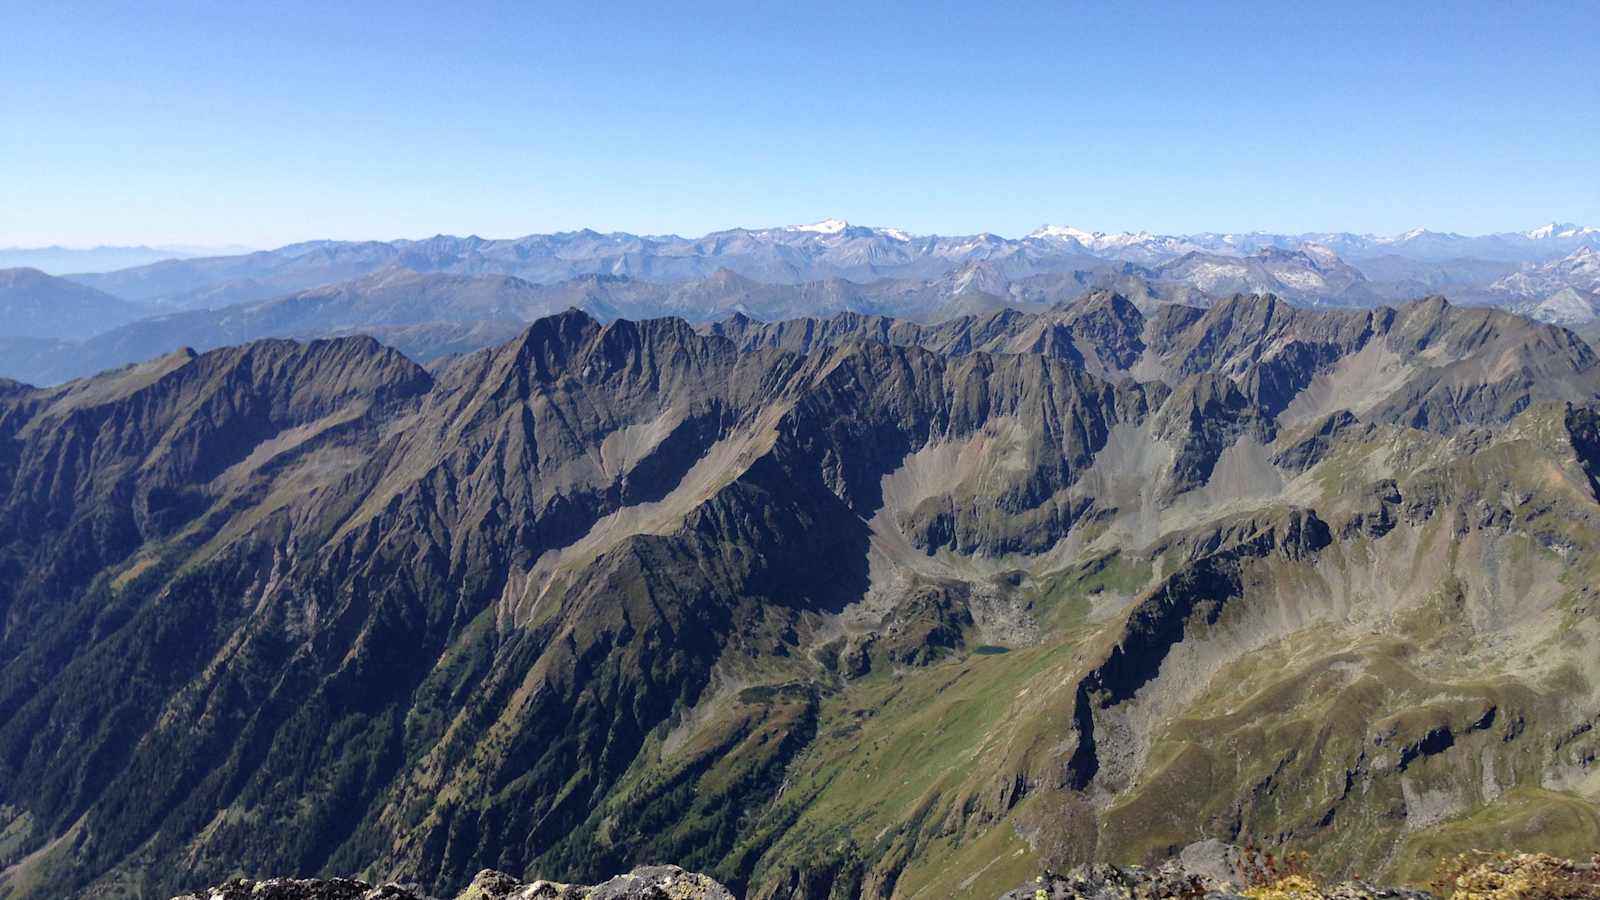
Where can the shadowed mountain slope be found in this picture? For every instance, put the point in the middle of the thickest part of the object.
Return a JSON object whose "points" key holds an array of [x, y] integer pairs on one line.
{"points": [[822, 608]]}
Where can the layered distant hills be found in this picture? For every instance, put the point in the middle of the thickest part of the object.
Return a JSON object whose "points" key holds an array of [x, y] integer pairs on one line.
{"points": [[63, 260], [33, 304], [830, 249], [448, 295], [843, 606]]}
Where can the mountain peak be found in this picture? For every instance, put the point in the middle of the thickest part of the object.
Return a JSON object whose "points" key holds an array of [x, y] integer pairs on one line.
{"points": [[23, 274], [826, 226], [1064, 231], [727, 276], [1321, 254], [1559, 230]]}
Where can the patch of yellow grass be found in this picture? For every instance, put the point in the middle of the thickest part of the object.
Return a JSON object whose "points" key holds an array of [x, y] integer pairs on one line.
{"points": [[1294, 887], [1517, 876]]}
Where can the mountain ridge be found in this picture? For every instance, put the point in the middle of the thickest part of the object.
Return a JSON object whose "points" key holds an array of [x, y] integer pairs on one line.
{"points": [[777, 255], [432, 315], [39, 306], [616, 591]]}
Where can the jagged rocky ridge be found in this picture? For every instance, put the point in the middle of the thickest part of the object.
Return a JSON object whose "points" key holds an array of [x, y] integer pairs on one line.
{"points": [[820, 608]]}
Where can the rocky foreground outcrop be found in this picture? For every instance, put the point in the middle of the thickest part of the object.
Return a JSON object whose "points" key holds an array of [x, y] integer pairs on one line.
{"points": [[1219, 877], [1172, 881], [643, 883], [1208, 870]]}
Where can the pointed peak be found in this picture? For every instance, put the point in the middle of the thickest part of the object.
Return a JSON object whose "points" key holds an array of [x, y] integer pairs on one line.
{"points": [[1262, 300], [726, 275], [548, 342], [1550, 230], [569, 324], [1098, 300], [826, 226]]}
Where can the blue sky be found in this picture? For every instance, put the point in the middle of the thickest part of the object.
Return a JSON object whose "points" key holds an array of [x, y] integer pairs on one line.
{"points": [[223, 123]]}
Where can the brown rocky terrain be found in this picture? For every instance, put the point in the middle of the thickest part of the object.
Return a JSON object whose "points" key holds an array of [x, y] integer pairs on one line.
{"points": [[822, 609]]}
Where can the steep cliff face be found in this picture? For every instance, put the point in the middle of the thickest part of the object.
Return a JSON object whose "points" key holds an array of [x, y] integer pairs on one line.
{"points": [[820, 608]]}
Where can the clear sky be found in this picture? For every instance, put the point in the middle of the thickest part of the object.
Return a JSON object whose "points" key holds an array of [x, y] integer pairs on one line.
{"points": [[254, 123]]}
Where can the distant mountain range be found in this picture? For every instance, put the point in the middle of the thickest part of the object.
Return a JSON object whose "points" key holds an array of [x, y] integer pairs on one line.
{"points": [[447, 295], [828, 249], [34, 304], [431, 315], [1564, 290], [61, 260], [1512, 246]]}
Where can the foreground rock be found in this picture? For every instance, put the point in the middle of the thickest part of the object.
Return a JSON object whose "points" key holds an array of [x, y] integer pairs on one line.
{"points": [[1172, 880], [644, 883], [1208, 870]]}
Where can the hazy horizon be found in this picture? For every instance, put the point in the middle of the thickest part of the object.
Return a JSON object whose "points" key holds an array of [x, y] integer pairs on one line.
{"points": [[191, 250]]}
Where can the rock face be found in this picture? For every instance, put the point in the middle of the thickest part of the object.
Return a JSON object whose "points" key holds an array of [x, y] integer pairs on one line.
{"points": [[644, 883], [826, 608]]}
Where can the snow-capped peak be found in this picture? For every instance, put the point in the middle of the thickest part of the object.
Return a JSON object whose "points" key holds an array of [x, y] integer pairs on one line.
{"points": [[826, 226], [1065, 231], [1559, 230]]}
